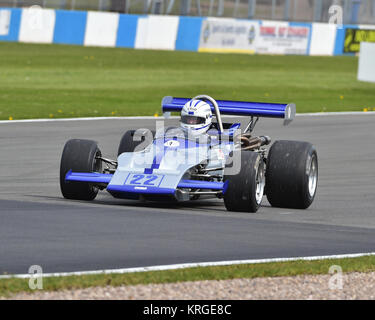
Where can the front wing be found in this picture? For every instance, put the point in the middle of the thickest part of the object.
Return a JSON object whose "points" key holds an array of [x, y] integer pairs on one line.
{"points": [[140, 186]]}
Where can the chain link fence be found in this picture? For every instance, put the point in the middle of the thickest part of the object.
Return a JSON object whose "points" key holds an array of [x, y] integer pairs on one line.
{"points": [[353, 11]]}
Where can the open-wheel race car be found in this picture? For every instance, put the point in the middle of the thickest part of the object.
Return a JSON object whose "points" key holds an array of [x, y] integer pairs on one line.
{"points": [[177, 164]]}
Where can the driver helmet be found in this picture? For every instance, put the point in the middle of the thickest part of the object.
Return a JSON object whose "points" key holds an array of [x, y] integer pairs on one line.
{"points": [[196, 117]]}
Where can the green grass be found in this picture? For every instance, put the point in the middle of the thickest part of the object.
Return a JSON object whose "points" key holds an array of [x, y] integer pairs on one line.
{"points": [[41, 81], [294, 268]]}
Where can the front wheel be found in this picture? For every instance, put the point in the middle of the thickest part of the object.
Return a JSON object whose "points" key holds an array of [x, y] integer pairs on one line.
{"points": [[245, 189], [292, 174], [79, 156], [135, 140]]}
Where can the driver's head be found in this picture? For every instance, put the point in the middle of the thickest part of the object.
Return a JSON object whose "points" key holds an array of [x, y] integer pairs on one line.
{"points": [[196, 117]]}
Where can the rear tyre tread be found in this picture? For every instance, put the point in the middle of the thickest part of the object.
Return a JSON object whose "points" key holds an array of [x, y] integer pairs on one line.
{"points": [[286, 175]]}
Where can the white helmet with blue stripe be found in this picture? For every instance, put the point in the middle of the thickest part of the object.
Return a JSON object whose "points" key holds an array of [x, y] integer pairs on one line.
{"points": [[196, 117]]}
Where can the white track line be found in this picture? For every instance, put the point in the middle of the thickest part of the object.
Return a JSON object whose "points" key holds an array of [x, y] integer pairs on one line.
{"points": [[347, 113], [86, 119], [316, 114], [188, 265]]}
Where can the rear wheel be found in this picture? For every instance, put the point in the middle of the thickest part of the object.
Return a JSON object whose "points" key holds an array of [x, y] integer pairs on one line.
{"points": [[292, 174], [79, 156], [135, 140], [245, 189]]}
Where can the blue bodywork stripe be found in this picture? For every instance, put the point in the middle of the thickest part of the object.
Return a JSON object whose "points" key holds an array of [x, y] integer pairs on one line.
{"points": [[106, 178], [140, 189], [197, 184], [155, 163], [157, 159], [88, 177], [225, 187], [191, 184], [184, 144]]}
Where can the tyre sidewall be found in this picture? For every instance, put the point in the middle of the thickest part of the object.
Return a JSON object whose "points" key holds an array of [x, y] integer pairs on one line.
{"points": [[240, 192], [79, 156], [287, 180]]}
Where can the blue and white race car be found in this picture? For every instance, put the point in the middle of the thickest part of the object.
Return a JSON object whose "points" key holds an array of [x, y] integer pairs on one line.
{"points": [[201, 157]]}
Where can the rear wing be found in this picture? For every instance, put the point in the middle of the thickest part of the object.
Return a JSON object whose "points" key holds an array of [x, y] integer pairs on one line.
{"points": [[238, 108]]}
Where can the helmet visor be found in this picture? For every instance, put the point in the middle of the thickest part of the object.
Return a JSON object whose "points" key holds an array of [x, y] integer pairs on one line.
{"points": [[192, 120]]}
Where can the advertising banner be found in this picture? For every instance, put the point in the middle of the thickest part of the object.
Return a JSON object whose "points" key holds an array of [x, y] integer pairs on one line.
{"points": [[231, 35], [228, 35], [282, 38], [354, 37]]}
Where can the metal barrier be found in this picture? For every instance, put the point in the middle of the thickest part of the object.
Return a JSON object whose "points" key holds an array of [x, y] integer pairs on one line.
{"points": [[349, 11]]}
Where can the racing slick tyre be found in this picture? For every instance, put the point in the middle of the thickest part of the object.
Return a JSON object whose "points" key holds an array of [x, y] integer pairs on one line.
{"points": [[134, 138], [291, 174], [244, 191], [79, 156]]}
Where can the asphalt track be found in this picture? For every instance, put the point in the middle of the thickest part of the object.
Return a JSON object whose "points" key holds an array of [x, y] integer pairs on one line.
{"points": [[38, 226]]}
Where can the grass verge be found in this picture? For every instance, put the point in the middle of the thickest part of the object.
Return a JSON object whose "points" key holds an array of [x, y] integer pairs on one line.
{"points": [[277, 269], [59, 81]]}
